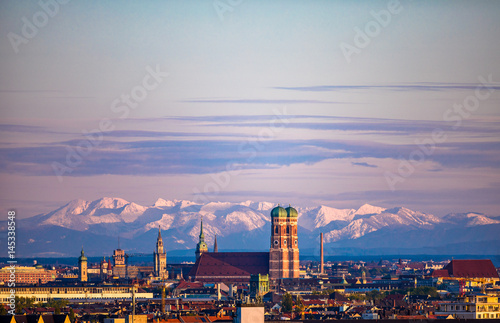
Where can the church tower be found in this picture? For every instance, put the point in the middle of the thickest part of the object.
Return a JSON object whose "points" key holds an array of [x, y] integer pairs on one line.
{"points": [[160, 258], [82, 267], [284, 251], [201, 247]]}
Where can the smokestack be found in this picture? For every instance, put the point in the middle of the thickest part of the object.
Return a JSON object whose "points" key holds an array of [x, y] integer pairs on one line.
{"points": [[322, 264]]}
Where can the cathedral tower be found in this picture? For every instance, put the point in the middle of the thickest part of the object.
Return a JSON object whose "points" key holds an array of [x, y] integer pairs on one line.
{"points": [[284, 251], [201, 247], [82, 267], [160, 258]]}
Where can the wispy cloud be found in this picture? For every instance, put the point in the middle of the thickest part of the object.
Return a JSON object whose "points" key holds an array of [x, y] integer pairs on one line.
{"points": [[391, 87], [373, 125], [364, 164], [210, 156], [154, 134], [261, 101]]}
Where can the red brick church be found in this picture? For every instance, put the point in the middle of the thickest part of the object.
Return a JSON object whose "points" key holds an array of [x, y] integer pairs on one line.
{"points": [[282, 260]]}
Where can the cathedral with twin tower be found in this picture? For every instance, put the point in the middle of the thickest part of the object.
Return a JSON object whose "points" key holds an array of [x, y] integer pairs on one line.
{"points": [[284, 251], [281, 262]]}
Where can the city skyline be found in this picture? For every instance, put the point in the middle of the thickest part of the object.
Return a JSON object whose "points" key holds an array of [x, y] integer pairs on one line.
{"points": [[334, 103]]}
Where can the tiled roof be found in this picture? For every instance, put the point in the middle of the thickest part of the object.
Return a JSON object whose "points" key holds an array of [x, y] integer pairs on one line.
{"points": [[229, 266], [183, 284], [221, 319], [476, 268], [440, 273], [187, 319]]}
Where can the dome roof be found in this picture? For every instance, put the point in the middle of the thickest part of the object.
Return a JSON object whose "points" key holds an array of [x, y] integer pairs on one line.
{"points": [[82, 256], [291, 212], [278, 212]]}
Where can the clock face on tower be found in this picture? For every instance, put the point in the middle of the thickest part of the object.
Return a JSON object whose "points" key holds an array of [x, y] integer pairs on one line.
{"points": [[276, 242]]}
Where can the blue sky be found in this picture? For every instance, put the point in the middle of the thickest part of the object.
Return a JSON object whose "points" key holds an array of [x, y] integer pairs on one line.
{"points": [[263, 89]]}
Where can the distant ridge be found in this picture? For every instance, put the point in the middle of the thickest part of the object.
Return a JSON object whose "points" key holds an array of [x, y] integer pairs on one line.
{"points": [[245, 226]]}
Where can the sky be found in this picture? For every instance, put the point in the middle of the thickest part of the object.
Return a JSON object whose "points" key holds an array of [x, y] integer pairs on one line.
{"points": [[340, 103]]}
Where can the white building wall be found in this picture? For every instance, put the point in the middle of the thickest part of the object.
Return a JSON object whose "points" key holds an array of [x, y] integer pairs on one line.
{"points": [[250, 315]]}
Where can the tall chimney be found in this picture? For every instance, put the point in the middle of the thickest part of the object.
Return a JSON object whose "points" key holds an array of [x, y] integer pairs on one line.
{"points": [[322, 264]]}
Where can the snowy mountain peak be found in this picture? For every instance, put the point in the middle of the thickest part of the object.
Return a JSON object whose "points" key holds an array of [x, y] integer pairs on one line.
{"points": [[469, 219], [163, 203], [77, 206], [313, 218], [184, 203], [369, 209], [108, 203], [244, 221], [262, 206]]}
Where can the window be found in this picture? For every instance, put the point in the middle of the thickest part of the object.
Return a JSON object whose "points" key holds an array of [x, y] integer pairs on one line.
{"points": [[287, 230]]}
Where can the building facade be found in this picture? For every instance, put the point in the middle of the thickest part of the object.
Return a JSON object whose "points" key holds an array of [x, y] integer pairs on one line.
{"points": [[28, 275], [259, 285], [119, 257], [284, 250], [471, 307], [45, 293], [160, 258]]}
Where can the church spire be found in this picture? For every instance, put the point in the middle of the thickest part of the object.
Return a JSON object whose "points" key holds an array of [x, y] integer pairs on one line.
{"points": [[202, 235], [201, 247], [159, 242], [216, 249]]}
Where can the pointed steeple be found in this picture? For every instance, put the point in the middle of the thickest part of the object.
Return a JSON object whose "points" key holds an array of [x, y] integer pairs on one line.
{"points": [[216, 248], [159, 242], [202, 235], [201, 247]]}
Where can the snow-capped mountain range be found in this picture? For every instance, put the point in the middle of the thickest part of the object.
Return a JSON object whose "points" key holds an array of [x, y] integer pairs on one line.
{"points": [[246, 225]]}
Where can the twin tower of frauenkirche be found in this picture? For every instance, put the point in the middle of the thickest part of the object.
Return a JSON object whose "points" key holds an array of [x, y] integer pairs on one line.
{"points": [[284, 251]]}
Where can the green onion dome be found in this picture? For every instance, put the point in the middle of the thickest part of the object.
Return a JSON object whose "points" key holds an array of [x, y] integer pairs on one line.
{"points": [[278, 212]]}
